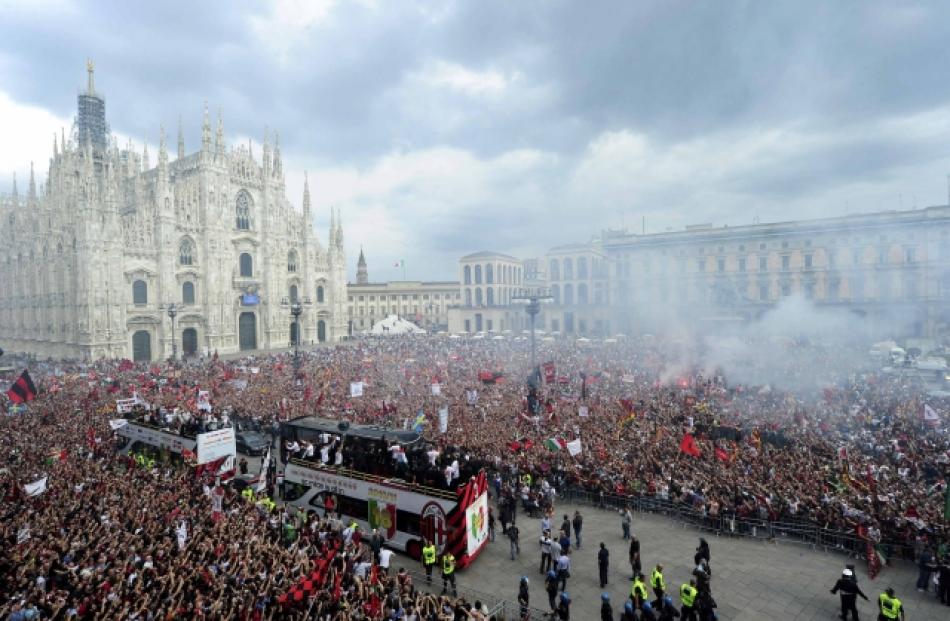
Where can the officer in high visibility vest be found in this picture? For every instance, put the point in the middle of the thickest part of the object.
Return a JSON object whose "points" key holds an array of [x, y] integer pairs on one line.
{"points": [[638, 592], [428, 559], [688, 594], [889, 607], [658, 584], [448, 573], [140, 460], [248, 494]]}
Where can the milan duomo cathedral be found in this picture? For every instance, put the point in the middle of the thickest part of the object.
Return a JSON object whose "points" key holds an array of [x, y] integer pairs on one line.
{"points": [[114, 257]]}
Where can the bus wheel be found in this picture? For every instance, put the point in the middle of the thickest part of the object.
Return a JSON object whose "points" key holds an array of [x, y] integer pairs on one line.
{"points": [[414, 549]]}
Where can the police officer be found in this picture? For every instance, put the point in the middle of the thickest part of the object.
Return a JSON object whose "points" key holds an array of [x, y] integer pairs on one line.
{"points": [[688, 594], [667, 611], [448, 573], [428, 559], [889, 607], [564, 607], [606, 610], [638, 592], [658, 584], [849, 593], [647, 613], [550, 585], [603, 562], [634, 555], [524, 596]]}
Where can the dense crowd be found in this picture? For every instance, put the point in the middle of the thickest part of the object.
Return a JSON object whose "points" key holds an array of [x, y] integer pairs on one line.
{"points": [[111, 539]]}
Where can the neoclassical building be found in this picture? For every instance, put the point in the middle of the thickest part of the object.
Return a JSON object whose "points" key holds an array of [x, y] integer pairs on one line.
{"points": [[95, 258]]}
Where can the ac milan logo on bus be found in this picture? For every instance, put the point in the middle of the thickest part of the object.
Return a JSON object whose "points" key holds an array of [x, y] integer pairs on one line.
{"points": [[433, 523]]}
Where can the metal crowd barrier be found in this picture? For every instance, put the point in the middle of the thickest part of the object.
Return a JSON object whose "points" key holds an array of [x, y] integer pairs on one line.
{"points": [[498, 607], [786, 530]]}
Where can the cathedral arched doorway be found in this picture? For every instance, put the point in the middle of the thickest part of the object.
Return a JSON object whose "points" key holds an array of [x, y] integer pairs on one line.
{"points": [[293, 334], [247, 331], [141, 346], [189, 342], [322, 331]]}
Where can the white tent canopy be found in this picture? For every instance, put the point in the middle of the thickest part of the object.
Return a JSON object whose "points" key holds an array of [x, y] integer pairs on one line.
{"points": [[394, 325]]}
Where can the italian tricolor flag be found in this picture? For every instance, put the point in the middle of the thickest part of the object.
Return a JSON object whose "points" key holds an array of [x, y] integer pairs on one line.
{"points": [[555, 444]]}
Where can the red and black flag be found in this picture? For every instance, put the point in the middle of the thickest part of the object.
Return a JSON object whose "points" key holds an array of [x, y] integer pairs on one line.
{"points": [[22, 389]]}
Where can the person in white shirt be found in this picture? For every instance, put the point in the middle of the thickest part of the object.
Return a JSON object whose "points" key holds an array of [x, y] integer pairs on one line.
{"points": [[432, 454], [385, 555], [308, 450], [325, 454]]}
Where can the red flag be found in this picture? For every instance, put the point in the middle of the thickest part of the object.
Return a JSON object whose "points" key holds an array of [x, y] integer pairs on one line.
{"points": [[550, 372], [23, 389], [627, 405], [721, 454], [688, 445]]}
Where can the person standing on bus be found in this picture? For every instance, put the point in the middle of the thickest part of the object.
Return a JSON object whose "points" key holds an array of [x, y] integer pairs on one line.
{"points": [[448, 573], [428, 559]]}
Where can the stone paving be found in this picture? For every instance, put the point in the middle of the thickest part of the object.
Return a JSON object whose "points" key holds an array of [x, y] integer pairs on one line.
{"points": [[751, 579]]}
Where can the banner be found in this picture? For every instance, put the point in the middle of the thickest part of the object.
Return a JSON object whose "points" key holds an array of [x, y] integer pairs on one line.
{"points": [[215, 445], [688, 445], [476, 522], [436, 390], [36, 487], [124, 406], [443, 419], [118, 423], [550, 372], [930, 416], [356, 389], [471, 396], [583, 411], [261, 484], [574, 447]]}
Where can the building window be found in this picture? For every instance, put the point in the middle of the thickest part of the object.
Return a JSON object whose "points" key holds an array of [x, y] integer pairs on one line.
{"points": [[490, 292], [742, 265], [467, 274], [568, 269], [320, 294], [786, 261], [702, 265], [556, 271], [139, 292], [786, 290], [763, 292], [762, 246], [478, 274], [186, 252], [188, 293], [721, 265], [763, 264], [582, 267], [568, 294], [243, 210], [882, 255], [832, 259], [809, 290], [292, 261], [833, 290], [246, 265], [910, 254], [581, 293], [468, 297], [856, 256], [808, 260], [490, 274], [478, 296], [293, 293]]}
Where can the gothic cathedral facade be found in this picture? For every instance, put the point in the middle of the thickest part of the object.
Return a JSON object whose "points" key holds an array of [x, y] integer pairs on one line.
{"points": [[115, 258]]}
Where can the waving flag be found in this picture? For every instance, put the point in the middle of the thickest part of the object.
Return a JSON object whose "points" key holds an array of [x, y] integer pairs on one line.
{"points": [[23, 389], [555, 444], [688, 445], [420, 422], [721, 454]]}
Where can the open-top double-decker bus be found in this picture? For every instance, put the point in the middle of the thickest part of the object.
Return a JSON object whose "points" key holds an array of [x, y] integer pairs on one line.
{"points": [[405, 513]]}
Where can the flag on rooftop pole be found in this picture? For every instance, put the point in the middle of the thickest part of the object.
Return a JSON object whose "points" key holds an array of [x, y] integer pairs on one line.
{"points": [[22, 389]]}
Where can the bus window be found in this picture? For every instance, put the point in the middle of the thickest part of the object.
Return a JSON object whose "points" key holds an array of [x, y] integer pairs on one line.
{"points": [[408, 522], [319, 500], [352, 507], [293, 491]]}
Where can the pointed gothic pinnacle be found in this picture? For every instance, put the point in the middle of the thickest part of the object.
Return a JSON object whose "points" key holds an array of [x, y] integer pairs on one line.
{"points": [[55, 145], [15, 194], [32, 193], [181, 139], [306, 192]]}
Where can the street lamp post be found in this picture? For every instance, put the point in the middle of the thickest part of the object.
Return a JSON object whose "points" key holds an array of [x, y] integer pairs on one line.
{"points": [[296, 310], [534, 297], [172, 310]]}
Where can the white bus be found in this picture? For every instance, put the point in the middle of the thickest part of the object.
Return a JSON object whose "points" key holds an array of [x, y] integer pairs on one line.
{"points": [[405, 513], [203, 448]]}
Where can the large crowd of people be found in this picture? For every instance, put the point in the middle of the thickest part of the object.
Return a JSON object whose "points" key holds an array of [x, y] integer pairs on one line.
{"points": [[105, 537]]}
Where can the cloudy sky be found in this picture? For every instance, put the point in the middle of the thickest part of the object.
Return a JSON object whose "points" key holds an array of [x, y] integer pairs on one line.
{"points": [[441, 128]]}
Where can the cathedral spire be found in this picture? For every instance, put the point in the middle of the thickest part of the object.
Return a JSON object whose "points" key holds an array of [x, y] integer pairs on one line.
{"points": [[15, 195], [146, 165], [265, 163], [181, 139], [31, 196], [278, 167], [306, 194], [339, 229], [219, 138], [55, 145], [63, 136], [91, 79], [162, 149], [206, 131]]}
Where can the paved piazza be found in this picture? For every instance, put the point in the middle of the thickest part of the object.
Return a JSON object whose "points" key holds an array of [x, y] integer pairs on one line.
{"points": [[751, 579]]}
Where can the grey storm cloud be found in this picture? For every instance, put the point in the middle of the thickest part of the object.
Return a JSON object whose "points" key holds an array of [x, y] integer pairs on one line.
{"points": [[562, 117]]}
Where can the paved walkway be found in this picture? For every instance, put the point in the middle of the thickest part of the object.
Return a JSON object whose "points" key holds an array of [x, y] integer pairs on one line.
{"points": [[751, 579]]}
